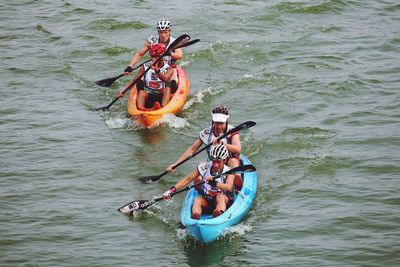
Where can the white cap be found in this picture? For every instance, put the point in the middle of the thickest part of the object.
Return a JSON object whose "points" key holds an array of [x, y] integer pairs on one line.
{"points": [[218, 117]]}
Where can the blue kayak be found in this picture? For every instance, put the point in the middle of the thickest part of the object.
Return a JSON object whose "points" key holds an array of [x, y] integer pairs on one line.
{"points": [[208, 229]]}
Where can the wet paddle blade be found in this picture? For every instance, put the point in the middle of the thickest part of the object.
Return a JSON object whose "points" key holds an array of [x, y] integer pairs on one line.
{"points": [[245, 125], [130, 208], [150, 179], [138, 205], [108, 82]]}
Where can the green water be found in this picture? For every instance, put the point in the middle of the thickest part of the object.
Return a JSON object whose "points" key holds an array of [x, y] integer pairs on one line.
{"points": [[320, 78]]}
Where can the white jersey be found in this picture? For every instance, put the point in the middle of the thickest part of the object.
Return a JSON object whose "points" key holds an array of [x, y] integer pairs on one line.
{"points": [[155, 39], [205, 171], [207, 137], [151, 79]]}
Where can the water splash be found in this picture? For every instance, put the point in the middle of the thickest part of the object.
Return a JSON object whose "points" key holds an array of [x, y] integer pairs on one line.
{"points": [[239, 229], [181, 234], [174, 121], [199, 96], [231, 232], [119, 123]]}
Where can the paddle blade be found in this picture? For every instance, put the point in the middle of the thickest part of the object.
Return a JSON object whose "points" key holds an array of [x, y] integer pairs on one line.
{"points": [[243, 168], [150, 179], [138, 205], [185, 44], [109, 81], [106, 107], [130, 208], [184, 38], [244, 125]]}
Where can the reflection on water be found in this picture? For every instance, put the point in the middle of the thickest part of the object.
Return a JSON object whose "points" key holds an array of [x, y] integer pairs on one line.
{"points": [[152, 136], [199, 254]]}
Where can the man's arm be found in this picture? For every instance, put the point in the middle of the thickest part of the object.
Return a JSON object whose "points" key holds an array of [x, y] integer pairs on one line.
{"points": [[135, 59]]}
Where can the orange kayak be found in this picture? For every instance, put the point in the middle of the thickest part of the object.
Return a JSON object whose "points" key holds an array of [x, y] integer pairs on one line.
{"points": [[150, 119]]}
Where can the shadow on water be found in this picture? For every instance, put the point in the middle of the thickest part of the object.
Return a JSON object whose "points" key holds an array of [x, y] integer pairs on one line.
{"points": [[213, 254]]}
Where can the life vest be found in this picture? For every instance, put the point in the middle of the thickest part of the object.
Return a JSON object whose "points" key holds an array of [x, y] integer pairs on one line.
{"points": [[205, 171], [155, 39], [151, 79], [207, 136]]}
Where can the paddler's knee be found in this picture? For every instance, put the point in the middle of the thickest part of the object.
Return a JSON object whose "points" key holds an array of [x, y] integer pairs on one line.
{"points": [[140, 85], [196, 181], [217, 213], [174, 86], [238, 182], [195, 216]]}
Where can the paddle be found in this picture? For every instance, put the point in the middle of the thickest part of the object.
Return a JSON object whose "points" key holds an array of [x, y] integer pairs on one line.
{"points": [[181, 41], [138, 205], [153, 178], [109, 81]]}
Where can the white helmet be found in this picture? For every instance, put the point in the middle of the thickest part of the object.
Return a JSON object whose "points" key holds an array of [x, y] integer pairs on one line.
{"points": [[219, 152], [220, 114], [163, 25]]}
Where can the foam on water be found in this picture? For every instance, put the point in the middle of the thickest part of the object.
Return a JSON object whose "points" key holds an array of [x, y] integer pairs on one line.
{"points": [[233, 231], [171, 120], [174, 122], [199, 96], [181, 234], [119, 123], [129, 124], [239, 229]]}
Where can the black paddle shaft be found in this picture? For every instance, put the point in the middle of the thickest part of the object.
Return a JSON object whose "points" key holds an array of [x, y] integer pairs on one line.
{"points": [[109, 81], [181, 41], [144, 204], [154, 178]]}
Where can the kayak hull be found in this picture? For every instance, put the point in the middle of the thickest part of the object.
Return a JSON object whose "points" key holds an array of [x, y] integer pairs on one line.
{"points": [[208, 229], [149, 119]]}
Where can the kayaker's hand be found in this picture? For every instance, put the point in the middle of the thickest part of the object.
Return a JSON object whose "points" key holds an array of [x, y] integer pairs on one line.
{"points": [[168, 194], [217, 142], [128, 69], [120, 94], [212, 182], [156, 68], [170, 168]]}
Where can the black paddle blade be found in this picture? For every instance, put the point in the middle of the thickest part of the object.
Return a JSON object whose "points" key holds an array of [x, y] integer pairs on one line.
{"points": [[108, 106], [150, 179], [242, 168], [102, 108], [246, 125], [184, 38], [184, 44], [109, 81]]}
